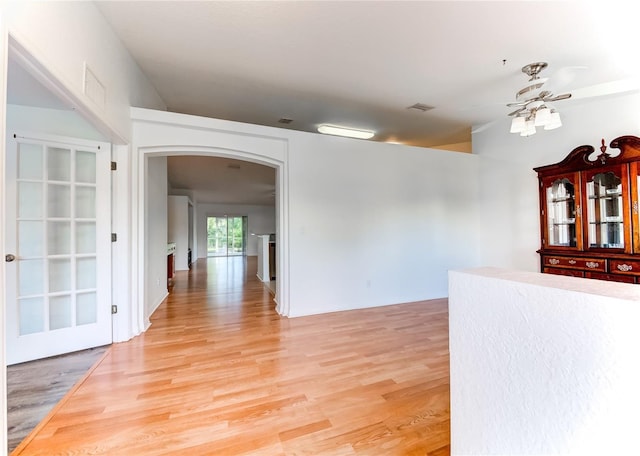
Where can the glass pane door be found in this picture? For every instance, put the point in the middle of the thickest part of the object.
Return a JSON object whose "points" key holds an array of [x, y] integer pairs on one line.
{"points": [[61, 298], [235, 236], [605, 211], [216, 236], [561, 213], [225, 236], [634, 181]]}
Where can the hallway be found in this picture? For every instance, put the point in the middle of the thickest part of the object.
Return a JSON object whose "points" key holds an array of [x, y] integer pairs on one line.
{"points": [[220, 372]]}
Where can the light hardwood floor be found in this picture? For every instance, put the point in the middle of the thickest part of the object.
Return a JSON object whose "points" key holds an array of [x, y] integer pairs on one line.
{"points": [[220, 373]]}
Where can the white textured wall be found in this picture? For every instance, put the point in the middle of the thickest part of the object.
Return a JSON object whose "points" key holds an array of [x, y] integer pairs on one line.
{"points": [[260, 219], [543, 364]]}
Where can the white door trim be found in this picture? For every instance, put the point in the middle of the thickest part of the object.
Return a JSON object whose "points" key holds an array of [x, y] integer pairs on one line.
{"points": [[143, 153]]}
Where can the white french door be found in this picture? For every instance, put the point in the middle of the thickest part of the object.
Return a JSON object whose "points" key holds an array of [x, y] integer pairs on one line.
{"points": [[58, 271]]}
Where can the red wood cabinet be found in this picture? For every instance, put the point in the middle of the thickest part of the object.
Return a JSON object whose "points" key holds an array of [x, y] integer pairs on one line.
{"points": [[589, 220], [171, 262]]}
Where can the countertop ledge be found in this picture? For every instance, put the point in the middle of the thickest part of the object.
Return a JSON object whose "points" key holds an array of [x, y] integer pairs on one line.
{"points": [[618, 290]]}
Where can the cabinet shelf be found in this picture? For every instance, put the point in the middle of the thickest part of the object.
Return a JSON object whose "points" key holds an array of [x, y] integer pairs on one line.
{"points": [[605, 197]]}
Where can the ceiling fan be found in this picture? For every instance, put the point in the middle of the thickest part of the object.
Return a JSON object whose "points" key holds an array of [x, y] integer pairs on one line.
{"points": [[533, 104], [538, 94]]}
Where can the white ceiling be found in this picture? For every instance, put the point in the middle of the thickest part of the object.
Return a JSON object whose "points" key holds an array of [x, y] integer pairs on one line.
{"points": [[223, 180], [360, 64]]}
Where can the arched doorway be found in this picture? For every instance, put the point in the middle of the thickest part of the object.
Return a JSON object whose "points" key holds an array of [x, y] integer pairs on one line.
{"points": [[261, 155]]}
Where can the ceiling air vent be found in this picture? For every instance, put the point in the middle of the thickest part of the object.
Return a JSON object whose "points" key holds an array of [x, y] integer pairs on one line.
{"points": [[284, 120], [421, 107]]}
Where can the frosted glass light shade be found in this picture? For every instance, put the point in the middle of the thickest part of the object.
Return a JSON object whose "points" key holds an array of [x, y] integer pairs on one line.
{"points": [[530, 128], [543, 116], [517, 125], [554, 121]]}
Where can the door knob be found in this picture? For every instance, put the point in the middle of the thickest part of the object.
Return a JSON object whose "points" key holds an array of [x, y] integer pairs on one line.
{"points": [[9, 258]]}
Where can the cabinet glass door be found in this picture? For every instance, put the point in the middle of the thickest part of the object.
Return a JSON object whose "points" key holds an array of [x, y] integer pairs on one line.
{"points": [[605, 210], [634, 180], [562, 228]]}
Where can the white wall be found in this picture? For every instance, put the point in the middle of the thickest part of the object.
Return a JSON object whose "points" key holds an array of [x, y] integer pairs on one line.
{"points": [[261, 220], [156, 233], [381, 223], [50, 121], [543, 364], [62, 37], [178, 229], [509, 186]]}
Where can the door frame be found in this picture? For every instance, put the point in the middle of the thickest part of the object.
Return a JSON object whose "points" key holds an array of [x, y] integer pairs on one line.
{"points": [[141, 155]]}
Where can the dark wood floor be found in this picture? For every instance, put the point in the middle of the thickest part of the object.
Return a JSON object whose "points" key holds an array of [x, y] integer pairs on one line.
{"points": [[220, 373], [34, 388]]}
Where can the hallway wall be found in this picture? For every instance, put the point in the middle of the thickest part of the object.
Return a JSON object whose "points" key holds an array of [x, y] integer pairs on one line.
{"points": [[382, 223]]}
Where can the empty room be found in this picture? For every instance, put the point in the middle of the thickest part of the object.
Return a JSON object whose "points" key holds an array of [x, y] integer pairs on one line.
{"points": [[323, 228]]}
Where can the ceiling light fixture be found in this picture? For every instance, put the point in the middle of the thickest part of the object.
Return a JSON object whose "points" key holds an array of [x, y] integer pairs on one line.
{"points": [[345, 131], [533, 110]]}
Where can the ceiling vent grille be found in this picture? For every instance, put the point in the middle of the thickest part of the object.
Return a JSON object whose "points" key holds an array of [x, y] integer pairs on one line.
{"points": [[284, 120], [421, 107]]}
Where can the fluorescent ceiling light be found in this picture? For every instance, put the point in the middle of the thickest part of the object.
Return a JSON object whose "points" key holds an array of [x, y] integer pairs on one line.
{"points": [[344, 131]]}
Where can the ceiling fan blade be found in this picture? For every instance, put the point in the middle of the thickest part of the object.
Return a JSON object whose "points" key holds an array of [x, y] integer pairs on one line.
{"points": [[564, 96], [607, 88], [563, 77], [529, 91]]}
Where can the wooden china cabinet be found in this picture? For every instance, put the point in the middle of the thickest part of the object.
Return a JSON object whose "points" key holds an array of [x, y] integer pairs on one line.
{"points": [[589, 218]]}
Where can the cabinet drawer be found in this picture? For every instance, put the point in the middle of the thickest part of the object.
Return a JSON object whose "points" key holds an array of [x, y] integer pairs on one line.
{"points": [[565, 272], [610, 277], [592, 264], [631, 267]]}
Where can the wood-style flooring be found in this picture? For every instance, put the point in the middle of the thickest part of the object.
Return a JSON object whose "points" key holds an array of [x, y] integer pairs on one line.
{"points": [[35, 387], [220, 373]]}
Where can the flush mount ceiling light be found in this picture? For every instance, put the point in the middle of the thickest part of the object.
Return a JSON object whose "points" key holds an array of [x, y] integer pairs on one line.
{"points": [[345, 131], [533, 104]]}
